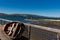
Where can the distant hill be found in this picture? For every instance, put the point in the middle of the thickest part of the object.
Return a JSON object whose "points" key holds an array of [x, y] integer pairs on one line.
{"points": [[2, 14], [29, 16]]}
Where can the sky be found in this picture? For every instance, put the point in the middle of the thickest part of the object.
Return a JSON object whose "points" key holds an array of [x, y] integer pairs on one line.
{"points": [[49, 8]]}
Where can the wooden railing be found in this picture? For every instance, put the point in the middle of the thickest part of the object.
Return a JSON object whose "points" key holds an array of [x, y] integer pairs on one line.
{"points": [[38, 28]]}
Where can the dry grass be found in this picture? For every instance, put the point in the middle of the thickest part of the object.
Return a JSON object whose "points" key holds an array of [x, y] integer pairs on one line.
{"points": [[49, 23]]}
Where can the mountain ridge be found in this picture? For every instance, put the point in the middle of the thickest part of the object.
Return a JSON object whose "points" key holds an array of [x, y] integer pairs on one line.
{"points": [[29, 16]]}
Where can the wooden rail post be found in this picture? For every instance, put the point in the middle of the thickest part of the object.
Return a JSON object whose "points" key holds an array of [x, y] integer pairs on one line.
{"points": [[58, 36], [1, 21], [29, 32]]}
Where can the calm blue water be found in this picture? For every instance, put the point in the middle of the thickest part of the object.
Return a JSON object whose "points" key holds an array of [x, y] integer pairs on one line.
{"points": [[15, 18]]}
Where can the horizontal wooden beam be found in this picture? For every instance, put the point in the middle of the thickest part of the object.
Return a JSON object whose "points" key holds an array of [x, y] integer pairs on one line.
{"points": [[39, 27]]}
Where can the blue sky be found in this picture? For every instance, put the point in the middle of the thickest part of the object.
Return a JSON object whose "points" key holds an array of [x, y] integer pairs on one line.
{"points": [[37, 7]]}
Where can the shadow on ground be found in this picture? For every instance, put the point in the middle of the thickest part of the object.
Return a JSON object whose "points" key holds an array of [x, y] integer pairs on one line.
{"points": [[22, 38]]}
